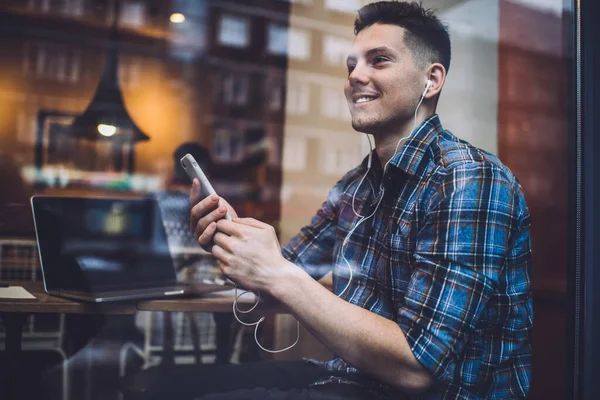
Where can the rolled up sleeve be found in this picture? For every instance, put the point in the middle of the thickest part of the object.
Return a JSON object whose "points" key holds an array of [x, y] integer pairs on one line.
{"points": [[462, 244]]}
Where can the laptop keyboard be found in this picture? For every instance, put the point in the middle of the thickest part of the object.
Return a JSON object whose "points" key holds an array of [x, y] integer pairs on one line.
{"points": [[193, 263], [181, 237], [175, 209]]}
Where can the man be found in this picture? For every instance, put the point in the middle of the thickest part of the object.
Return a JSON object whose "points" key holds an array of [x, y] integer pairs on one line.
{"points": [[430, 246]]}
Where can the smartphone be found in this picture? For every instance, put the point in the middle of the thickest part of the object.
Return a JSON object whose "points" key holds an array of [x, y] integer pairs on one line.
{"points": [[193, 170]]}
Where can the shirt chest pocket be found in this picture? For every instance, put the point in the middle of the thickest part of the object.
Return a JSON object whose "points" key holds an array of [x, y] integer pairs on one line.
{"points": [[395, 271]]}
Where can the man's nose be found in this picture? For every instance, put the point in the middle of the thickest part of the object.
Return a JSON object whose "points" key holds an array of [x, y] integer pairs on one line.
{"points": [[358, 76]]}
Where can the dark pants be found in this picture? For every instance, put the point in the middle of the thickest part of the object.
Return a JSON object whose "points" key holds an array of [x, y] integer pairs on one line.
{"points": [[288, 380]]}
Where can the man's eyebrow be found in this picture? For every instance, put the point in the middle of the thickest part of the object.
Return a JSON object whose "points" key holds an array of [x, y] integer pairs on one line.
{"points": [[380, 49], [371, 52]]}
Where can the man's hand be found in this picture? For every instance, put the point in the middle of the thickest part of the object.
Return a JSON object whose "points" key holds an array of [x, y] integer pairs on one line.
{"points": [[249, 253], [205, 213]]}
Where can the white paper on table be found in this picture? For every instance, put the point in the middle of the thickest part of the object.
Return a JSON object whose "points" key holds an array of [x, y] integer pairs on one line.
{"points": [[15, 293]]}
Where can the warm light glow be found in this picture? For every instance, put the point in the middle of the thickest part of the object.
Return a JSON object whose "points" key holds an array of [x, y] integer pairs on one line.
{"points": [[107, 130], [177, 18]]}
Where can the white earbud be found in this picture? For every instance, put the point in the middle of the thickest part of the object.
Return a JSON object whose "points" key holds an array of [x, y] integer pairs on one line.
{"points": [[427, 86], [363, 218]]}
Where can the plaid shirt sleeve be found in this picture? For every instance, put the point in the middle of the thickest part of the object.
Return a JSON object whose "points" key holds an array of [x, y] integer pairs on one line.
{"points": [[312, 248], [462, 244]]}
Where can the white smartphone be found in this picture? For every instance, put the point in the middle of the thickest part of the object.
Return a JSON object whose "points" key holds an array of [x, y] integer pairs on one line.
{"points": [[191, 167]]}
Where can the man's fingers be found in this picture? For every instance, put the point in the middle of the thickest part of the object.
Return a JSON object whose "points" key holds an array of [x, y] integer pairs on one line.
{"points": [[205, 221], [201, 209], [231, 228], [223, 256], [251, 222], [239, 227], [222, 240], [207, 235], [224, 203], [195, 191], [219, 254]]}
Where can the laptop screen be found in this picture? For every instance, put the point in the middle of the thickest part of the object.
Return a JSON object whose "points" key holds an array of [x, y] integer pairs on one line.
{"points": [[99, 244]]}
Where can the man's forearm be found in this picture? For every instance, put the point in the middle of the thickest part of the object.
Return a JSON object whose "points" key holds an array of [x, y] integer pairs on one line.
{"points": [[373, 344]]}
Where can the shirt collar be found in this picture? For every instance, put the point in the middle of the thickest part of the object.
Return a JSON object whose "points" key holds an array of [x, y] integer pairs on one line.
{"points": [[413, 150]]}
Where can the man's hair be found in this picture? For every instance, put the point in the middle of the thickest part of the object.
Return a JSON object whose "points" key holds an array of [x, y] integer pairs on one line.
{"points": [[424, 35]]}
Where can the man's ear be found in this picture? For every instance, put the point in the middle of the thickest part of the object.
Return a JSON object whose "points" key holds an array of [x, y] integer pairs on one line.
{"points": [[436, 73]]}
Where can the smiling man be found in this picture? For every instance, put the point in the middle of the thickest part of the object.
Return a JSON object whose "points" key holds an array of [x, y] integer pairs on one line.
{"points": [[428, 239]]}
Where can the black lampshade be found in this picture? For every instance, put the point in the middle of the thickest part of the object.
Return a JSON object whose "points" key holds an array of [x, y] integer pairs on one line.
{"points": [[107, 107]]}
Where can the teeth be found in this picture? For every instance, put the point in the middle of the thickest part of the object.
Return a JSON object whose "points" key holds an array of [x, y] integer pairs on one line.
{"points": [[365, 99]]}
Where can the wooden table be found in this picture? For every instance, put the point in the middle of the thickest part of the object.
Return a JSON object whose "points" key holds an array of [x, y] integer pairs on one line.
{"points": [[210, 302], [220, 305], [14, 314]]}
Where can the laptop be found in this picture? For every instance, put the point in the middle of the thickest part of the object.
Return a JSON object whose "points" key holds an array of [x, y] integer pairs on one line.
{"points": [[106, 249]]}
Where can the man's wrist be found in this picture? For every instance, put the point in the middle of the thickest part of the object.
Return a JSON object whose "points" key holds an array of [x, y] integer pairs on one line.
{"points": [[288, 282]]}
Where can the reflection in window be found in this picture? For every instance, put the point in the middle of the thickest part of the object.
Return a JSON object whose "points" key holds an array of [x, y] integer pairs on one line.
{"points": [[129, 73], [273, 132], [39, 5], [299, 44], [339, 157], [305, 2], [335, 50], [274, 94], [73, 7], [297, 98], [51, 62], [132, 13], [334, 104], [349, 6], [61, 144], [26, 125], [294, 153], [277, 39], [234, 31], [294, 42], [233, 89], [228, 145], [189, 39]]}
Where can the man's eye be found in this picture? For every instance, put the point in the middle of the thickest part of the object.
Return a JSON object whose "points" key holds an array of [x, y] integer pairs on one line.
{"points": [[378, 60], [350, 68]]}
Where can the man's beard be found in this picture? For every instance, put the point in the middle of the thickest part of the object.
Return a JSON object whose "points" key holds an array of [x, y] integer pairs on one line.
{"points": [[383, 124], [372, 125]]}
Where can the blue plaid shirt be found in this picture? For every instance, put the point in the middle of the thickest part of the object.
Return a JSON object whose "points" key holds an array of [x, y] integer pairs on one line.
{"points": [[447, 256]]}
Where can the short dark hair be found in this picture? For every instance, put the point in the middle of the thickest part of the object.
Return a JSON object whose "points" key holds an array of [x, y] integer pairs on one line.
{"points": [[425, 35]]}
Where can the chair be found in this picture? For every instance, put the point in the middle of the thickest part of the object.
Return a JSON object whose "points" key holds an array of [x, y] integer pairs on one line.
{"points": [[178, 338], [19, 261]]}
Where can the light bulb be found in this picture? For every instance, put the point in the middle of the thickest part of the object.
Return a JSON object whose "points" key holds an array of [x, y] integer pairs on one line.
{"points": [[177, 18], [107, 130]]}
